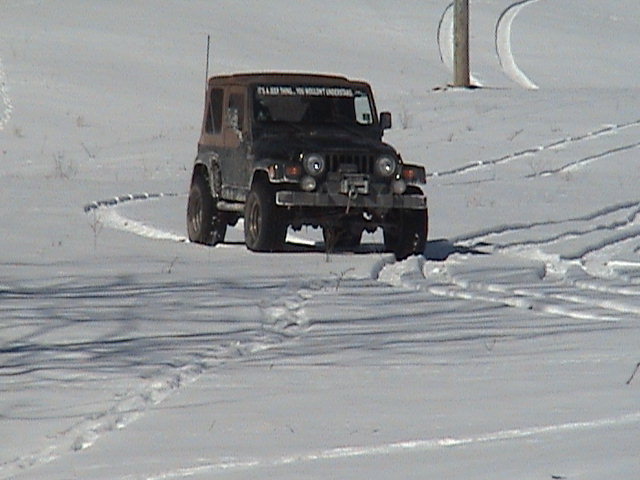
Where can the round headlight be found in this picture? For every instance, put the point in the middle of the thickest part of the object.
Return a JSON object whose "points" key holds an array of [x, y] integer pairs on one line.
{"points": [[314, 164], [386, 166]]}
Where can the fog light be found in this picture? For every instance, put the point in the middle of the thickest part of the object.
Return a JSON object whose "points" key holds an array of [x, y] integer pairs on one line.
{"points": [[308, 184], [399, 186]]}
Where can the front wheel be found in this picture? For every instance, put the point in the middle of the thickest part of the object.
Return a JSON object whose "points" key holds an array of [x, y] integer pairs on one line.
{"points": [[204, 222], [408, 234], [336, 238], [265, 228]]}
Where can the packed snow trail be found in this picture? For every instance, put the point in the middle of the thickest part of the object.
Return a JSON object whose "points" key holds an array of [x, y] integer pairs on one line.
{"points": [[503, 45], [111, 218], [6, 101], [104, 214], [420, 445]]}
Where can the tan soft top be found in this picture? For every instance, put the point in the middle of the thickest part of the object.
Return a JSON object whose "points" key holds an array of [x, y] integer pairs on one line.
{"points": [[283, 78]]}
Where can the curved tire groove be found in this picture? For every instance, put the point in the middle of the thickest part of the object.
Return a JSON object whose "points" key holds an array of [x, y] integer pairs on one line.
{"points": [[503, 45]]}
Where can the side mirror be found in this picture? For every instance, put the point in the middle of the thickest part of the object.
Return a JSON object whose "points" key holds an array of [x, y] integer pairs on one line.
{"points": [[385, 120]]}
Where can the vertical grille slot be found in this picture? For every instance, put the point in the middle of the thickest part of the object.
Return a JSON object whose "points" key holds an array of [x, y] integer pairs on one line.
{"points": [[351, 162]]}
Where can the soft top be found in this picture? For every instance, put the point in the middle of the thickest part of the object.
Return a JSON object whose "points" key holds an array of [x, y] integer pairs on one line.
{"points": [[283, 78]]}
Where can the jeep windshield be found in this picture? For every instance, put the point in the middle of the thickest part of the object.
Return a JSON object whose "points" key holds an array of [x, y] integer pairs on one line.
{"points": [[301, 106]]}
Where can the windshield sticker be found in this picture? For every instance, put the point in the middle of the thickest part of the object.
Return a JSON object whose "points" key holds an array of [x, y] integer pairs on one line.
{"points": [[301, 91]]}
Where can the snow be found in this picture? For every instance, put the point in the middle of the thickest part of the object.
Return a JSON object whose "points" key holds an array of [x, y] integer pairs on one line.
{"points": [[503, 45], [505, 351]]}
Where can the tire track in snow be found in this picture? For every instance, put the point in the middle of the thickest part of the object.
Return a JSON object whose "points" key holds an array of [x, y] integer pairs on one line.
{"points": [[402, 447], [553, 298], [115, 201], [556, 144], [575, 274], [503, 45], [562, 285], [128, 408], [481, 235], [124, 411], [279, 321], [585, 161], [107, 215], [618, 229], [628, 221], [111, 218], [506, 283], [558, 298], [7, 108]]}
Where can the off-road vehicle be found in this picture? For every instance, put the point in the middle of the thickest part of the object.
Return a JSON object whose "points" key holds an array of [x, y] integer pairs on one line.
{"points": [[288, 150]]}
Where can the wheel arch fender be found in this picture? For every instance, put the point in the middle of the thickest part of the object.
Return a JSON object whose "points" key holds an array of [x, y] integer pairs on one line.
{"points": [[200, 169], [208, 167], [261, 176]]}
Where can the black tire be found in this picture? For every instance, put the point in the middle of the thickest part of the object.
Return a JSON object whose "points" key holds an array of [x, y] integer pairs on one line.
{"points": [[204, 222], [409, 234], [265, 228], [340, 239]]}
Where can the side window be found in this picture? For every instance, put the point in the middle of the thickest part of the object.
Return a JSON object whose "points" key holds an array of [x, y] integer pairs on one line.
{"points": [[214, 115], [235, 112], [363, 109]]}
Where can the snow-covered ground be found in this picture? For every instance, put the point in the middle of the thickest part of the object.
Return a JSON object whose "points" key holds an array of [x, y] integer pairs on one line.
{"points": [[506, 351]]}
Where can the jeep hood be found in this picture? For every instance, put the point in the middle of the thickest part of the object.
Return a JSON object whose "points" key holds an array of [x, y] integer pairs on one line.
{"points": [[321, 140]]}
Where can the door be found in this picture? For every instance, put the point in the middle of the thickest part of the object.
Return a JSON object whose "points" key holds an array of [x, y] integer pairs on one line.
{"points": [[236, 166]]}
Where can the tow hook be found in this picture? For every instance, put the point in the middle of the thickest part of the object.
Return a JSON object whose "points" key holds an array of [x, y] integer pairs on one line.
{"points": [[352, 195]]}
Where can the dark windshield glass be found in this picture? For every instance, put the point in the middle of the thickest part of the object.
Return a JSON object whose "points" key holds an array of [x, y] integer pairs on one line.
{"points": [[312, 105]]}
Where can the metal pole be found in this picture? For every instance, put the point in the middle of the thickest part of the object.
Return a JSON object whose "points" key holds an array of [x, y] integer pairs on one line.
{"points": [[461, 71], [206, 75]]}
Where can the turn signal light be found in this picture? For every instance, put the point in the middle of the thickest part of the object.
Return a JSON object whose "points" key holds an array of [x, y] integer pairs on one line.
{"points": [[293, 171], [408, 174], [413, 174]]}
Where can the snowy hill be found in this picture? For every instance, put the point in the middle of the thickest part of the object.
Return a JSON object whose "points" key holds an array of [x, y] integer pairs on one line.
{"points": [[506, 351]]}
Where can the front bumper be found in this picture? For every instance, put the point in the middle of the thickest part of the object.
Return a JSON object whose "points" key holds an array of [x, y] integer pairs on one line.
{"points": [[370, 201]]}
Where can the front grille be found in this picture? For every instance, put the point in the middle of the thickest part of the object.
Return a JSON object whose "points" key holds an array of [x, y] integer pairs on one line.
{"points": [[350, 162]]}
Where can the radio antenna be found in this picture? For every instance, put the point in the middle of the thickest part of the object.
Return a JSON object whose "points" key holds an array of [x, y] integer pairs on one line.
{"points": [[206, 79]]}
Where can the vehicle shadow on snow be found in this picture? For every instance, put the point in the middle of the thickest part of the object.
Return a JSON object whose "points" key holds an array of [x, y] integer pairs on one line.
{"points": [[441, 249], [435, 250]]}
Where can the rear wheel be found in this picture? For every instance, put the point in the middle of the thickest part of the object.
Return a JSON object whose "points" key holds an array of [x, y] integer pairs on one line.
{"points": [[265, 229], [204, 222]]}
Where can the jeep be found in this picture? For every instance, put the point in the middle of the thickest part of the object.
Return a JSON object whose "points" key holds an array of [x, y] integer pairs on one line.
{"points": [[288, 150]]}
